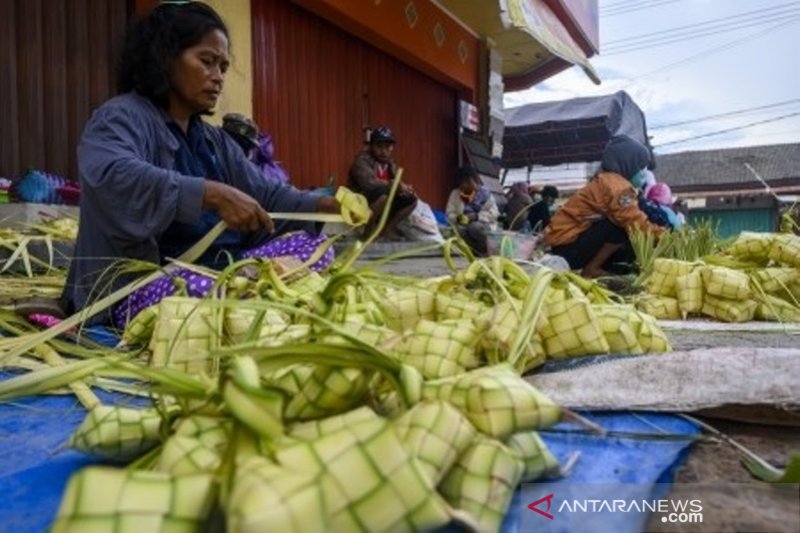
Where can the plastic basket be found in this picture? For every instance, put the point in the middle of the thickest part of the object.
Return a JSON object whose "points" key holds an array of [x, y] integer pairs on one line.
{"points": [[512, 244]]}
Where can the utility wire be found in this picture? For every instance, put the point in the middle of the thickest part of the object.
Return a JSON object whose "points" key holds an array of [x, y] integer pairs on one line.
{"points": [[720, 132], [723, 115], [623, 49], [710, 51], [612, 5], [632, 8], [760, 12]]}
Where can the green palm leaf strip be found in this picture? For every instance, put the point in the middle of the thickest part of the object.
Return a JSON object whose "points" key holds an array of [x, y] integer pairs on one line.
{"points": [[189, 256]]}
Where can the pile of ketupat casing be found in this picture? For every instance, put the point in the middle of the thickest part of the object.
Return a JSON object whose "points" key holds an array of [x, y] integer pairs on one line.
{"points": [[342, 402], [15, 244], [756, 277]]}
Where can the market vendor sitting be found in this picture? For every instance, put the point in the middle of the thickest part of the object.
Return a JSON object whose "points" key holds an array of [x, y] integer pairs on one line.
{"points": [[591, 229], [472, 210], [372, 172], [155, 178], [518, 206]]}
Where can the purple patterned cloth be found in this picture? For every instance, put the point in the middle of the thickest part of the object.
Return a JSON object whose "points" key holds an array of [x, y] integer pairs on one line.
{"points": [[299, 244]]}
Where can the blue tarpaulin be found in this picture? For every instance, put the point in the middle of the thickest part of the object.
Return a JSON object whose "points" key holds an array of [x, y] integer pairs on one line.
{"points": [[34, 463], [35, 466]]}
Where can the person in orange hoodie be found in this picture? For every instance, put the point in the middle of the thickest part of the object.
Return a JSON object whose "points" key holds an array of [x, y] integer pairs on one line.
{"points": [[591, 229]]}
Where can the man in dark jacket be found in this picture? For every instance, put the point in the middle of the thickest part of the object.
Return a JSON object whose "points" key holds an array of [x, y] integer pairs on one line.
{"points": [[372, 173]]}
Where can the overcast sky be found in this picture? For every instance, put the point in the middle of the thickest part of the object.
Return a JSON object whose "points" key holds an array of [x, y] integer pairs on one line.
{"points": [[744, 56]]}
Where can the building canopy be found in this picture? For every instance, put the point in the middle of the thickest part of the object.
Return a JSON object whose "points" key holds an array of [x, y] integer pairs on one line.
{"points": [[532, 39], [569, 131]]}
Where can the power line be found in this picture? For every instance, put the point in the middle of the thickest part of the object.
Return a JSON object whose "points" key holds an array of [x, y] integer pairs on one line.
{"points": [[720, 132], [710, 51], [620, 49], [763, 12], [633, 7], [612, 5], [720, 141], [623, 49], [723, 115]]}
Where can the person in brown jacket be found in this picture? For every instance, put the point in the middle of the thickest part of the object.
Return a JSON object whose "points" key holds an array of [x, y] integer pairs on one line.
{"points": [[591, 229], [372, 173]]}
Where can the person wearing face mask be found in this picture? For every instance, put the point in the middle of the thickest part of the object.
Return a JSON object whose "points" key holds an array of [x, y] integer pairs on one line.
{"points": [[472, 210], [591, 229], [541, 211], [155, 177], [372, 172]]}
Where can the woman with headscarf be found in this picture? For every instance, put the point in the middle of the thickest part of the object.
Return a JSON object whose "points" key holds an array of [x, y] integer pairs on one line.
{"points": [[591, 229]]}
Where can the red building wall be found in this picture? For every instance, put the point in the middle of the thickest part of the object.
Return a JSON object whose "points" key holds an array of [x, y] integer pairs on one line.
{"points": [[58, 64], [316, 87]]}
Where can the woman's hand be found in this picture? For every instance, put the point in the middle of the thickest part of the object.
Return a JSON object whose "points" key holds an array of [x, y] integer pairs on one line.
{"points": [[353, 207], [240, 211]]}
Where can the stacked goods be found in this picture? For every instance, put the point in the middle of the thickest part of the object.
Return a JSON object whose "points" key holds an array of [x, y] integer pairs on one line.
{"points": [[663, 307], [727, 294], [689, 292], [42, 187], [786, 249], [5, 184], [568, 325], [661, 281], [757, 277], [752, 246], [362, 403], [662, 285]]}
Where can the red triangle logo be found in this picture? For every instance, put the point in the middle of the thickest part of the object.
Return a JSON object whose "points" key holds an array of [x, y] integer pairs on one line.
{"points": [[534, 506]]}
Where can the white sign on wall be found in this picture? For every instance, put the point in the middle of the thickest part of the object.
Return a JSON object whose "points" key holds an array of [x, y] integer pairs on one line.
{"points": [[468, 116]]}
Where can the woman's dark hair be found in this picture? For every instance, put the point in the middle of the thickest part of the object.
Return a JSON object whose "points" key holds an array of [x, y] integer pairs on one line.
{"points": [[156, 41]]}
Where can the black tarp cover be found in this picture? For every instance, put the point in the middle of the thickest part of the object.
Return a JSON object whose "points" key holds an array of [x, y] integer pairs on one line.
{"points": [[569, 131]]}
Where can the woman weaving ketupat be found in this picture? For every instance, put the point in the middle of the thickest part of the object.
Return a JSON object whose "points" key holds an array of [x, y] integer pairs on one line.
{"points": [[155, 178]]}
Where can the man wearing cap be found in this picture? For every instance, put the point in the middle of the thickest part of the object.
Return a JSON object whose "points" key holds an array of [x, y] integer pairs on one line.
{"points": [[242, 130], [372, 173], [256, 145]]}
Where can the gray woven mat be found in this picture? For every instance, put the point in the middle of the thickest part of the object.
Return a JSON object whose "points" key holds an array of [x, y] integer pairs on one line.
{"points": [[678, 381]]}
